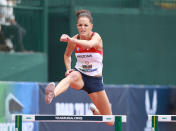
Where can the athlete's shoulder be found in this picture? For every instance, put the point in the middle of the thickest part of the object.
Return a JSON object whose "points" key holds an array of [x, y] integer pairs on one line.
{"points": [[97, 35], [99, 45]]}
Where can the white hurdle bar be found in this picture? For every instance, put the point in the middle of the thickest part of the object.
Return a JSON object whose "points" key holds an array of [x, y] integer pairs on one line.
{"points": [[160, 118], [118, 119]]}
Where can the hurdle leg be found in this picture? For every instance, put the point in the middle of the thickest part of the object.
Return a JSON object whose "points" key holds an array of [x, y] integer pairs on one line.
{"points": [[155, 123], [118, 123], [18, 123]]}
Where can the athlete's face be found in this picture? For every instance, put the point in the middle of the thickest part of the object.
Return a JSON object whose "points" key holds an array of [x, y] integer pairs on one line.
{"points": [[84, 27]]}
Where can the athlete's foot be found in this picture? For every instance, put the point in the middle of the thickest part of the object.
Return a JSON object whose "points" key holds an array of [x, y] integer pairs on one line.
{"points": [[93, 108], [49, 92]]}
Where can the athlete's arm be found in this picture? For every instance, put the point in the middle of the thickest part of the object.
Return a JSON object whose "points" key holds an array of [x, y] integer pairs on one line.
{"points": [[67, 57], [95, 42]]}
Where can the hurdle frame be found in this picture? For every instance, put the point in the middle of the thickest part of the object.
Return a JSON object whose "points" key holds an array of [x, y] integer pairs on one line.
{"points": [[118, 119], [155, 119]]}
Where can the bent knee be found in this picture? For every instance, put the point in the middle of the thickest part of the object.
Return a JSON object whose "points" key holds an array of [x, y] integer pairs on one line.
{"points": [[75, 75]]}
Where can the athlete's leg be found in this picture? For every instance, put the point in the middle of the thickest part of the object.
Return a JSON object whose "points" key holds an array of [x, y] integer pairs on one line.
{"points": [[74, 79], [101, 101]]}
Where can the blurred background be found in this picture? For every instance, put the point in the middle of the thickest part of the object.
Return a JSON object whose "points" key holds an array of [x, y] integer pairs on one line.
{"points": [[139, 38]]}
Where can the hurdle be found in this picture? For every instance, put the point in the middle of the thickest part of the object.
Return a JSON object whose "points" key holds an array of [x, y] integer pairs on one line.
{"points": [[19, 118], [160, 118]]}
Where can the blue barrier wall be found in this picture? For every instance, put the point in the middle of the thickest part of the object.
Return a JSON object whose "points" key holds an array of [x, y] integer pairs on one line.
{"points": [[135, 101], [18, 98]]}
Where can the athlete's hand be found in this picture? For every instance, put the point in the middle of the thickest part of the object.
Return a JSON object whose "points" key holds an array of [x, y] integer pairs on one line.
{"points": [[65, 38], [68, 72]]}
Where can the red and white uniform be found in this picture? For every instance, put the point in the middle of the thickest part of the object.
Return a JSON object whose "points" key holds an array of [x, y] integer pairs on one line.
{"points": [[89, 61]]}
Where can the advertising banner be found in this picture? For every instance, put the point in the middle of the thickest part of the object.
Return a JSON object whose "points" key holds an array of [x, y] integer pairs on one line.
{"points": [[17, 98], [149, 100], [135, 101]]}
